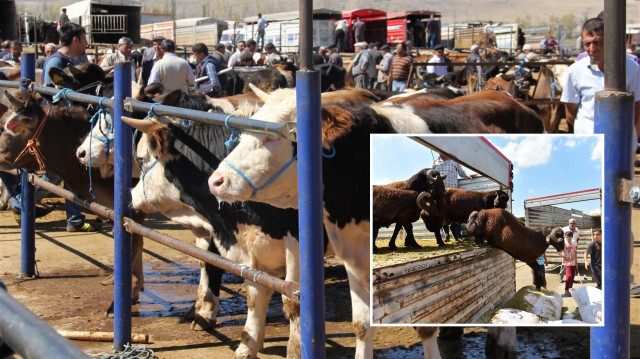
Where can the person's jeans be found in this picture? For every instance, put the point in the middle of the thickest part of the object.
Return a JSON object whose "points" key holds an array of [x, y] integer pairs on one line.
{"points": [[431, 41], [597, 275], [571, 273], [398, 86], [260, 40], [361, 81]]}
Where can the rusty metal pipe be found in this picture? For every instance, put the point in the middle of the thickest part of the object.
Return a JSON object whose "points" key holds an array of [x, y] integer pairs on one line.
{"points": [[92, 206], [290, 289]]}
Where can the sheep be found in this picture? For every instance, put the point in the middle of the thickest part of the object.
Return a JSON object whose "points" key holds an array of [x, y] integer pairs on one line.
{"points": [[426, 180], [503, 230], [457, 204], [394, 205]]}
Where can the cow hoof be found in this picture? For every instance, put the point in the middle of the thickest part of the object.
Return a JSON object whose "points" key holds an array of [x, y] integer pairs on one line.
{"points": [[191, 314], [200, 323], [441, 244], [243, 352], [393, 247], [109, 280], [413, 245], [109, 311]]}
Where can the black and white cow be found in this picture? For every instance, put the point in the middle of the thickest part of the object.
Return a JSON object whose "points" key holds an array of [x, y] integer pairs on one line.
{"points": [[345, 179], [177, 161]]}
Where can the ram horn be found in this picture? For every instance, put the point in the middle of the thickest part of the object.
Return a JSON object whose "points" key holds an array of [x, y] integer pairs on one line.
{"points": [[556, 235], [261, 94], [19, 104], [422, 196]]}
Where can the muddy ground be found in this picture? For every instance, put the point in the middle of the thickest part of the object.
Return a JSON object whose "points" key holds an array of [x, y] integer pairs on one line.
{"points": [[68, 295]]}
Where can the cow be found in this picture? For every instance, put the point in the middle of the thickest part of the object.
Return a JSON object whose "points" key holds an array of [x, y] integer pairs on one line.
{"points": [[480, 112], [534, 85], [46, 32], [331, 77], [177, 161], [238, 80], [61, 130], [345, 129]]}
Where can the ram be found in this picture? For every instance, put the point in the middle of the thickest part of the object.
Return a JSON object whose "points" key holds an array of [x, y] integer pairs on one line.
{"points": [[503, 230]]}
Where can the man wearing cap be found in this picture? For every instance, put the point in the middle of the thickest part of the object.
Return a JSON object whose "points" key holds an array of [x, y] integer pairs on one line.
{"points": [[472, 71], [360, 66], [171, 70], [384, 67], [149, 58], [400, 69], [121, 55], [438, 57], [359, 28]]}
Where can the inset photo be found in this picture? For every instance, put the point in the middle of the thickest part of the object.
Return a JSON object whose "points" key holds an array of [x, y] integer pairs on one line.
{"points": [[487, 230]]}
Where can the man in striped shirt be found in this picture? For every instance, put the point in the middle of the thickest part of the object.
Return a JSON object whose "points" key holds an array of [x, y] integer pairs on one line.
{"points": [[400, 68]]}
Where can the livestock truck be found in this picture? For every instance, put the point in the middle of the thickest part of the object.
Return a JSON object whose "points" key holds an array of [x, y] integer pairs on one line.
{"points": [[283, 29], [106, 21], [187, 32]]}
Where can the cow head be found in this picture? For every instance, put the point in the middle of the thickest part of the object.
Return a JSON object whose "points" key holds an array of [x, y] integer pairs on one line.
{"points": [[18, 125], [76, 77], [476, 223], [554, 237], [426, 202]]}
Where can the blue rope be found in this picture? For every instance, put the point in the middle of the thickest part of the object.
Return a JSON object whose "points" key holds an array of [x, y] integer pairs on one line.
{"points": [[151, 113], [105, 139], [144, 191], [186, 123], [235, 133], [330, 155], [255, 189], [63, 93]]}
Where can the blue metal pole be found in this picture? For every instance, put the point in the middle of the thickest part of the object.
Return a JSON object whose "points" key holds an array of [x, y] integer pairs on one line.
{"points": [[310, 214], [28, 203], [122, 238], [614, 118]]}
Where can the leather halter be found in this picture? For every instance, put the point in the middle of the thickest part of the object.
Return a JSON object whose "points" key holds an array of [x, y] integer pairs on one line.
{"points": [[33, 145]]}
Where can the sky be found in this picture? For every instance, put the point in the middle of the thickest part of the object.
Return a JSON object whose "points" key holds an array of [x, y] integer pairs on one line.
{"points": [[543, 165]]}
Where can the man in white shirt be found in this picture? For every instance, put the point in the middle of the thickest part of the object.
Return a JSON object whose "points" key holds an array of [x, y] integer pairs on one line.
{"points": [[586, 77], [438, 57], [123, 53], [172, 71]]}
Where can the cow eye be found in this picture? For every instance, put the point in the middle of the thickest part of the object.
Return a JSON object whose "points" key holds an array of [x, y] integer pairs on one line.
{"points": [[271, 139]]}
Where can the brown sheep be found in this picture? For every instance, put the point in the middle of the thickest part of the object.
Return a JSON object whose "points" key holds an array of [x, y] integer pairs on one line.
{"points": [[456, 205], [503, 230], [428, 180]]}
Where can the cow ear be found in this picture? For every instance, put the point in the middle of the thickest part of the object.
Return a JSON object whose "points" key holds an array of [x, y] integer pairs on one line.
{"points": [[60, 78], [336, 122], [169, 99], [161, 141]]}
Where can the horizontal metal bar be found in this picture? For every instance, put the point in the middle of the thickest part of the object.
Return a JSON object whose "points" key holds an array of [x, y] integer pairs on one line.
{"points": [[290, 289], [29, 335], [92, 206], [628, 190], [512, 63], [71, 95], [287, 130]]}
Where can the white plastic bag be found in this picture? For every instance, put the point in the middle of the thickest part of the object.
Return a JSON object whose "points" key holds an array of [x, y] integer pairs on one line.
{"points": [[589, 301]]}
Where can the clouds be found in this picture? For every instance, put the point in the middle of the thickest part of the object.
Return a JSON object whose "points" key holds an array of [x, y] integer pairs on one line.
{"points": [[598, 149], [530, 151]]}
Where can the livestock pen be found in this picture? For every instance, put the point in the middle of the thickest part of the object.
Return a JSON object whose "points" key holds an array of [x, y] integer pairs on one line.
{"points": [[311, 229]]}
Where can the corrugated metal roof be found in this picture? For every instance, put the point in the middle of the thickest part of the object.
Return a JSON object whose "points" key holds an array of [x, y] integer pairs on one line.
{"points": [[198, 21], [290, 15]]}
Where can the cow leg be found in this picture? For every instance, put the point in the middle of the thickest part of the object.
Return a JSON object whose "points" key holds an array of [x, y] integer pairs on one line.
{"points": [[429, 338], [137, 277], [439, 237], [292, 308], [258, 297], [445, 228], [501, 343], [392, 241], [203, 313], [409, 240], [359, 288]]}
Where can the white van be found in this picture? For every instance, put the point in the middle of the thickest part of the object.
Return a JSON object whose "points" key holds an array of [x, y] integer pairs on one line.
{"points": [[232, 36]]}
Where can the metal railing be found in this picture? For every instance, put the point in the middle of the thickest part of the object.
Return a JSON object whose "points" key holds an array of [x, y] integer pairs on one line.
{"points": [[310, 224], [107, 24]]}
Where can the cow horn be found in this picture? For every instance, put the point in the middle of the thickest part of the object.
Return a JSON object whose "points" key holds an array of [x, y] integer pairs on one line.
{"points": [[432, 174], [144, 126], [261, 94], [422, 196], [14, 101]]}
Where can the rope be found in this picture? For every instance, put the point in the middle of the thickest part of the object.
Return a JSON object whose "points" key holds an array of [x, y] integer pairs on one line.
{"points": [[63, 93], [144, 191], [330, 155], [235, 133], [105, 138], [129, 352], [255, 189], [33, 145]]}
